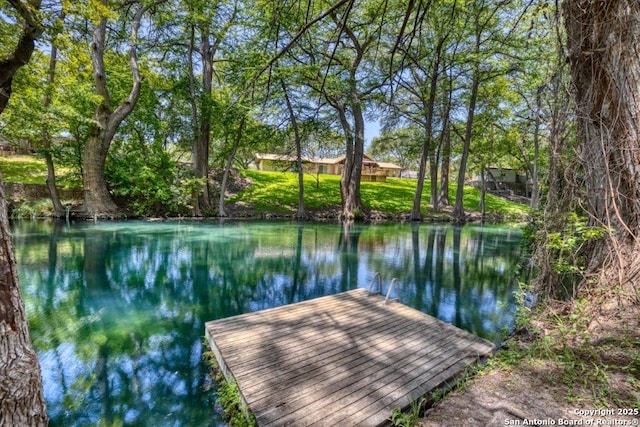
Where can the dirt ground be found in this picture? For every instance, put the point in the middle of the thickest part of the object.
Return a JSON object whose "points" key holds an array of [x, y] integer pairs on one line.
{"points": [[582, 368]]}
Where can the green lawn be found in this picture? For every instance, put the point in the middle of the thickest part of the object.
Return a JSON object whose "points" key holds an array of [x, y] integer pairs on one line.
{"points": [[32, 170], [278, 192], [23, 169]]}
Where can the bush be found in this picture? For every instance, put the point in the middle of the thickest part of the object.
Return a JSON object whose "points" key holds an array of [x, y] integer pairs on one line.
{"points": [[147, 181], [32, 210]]}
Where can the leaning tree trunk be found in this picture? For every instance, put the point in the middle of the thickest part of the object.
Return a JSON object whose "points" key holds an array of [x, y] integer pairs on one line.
{"points": [[21, 398], [228, 165], [58, 209], [10, 64], [602, 39]]}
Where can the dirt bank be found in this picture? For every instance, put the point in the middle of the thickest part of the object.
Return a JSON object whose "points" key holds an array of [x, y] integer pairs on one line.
{"points": [[578, 364]]}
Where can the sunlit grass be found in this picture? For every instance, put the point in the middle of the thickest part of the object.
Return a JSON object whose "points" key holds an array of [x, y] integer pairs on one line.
{"points": [[32, 170], [278, 192], [23, 169]]}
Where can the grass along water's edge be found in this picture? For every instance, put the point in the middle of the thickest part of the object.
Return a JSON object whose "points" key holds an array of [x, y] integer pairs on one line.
{"points": [[227, 394], [277, 192]]}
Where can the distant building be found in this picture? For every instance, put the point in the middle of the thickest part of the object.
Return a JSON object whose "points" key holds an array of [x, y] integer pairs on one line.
{"points": [[504, 175], [371, 170], [503, 180]]}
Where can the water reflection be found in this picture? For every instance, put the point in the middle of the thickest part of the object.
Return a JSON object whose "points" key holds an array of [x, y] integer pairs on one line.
{"points": [[117, 310]]}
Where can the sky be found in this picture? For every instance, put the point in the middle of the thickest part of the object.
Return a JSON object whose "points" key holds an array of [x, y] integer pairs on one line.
{"points": [[371, 130]]}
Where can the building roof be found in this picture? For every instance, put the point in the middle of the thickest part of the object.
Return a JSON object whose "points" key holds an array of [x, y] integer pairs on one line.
{"points": [[386, 165], [325, 161], [280, 157]]}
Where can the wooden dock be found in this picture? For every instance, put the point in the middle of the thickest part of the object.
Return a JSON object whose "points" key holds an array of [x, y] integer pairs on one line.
{"points": [[347, 359]]}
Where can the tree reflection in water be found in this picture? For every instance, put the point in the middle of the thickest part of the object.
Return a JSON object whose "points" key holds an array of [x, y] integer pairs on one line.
{"points": [[117, 310]]}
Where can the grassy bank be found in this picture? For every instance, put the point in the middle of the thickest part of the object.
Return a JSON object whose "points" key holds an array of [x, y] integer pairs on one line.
{"points": [[278, 192], [23, 169]]}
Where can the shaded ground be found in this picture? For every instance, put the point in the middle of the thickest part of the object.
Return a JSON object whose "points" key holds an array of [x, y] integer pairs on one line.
{"points": [[585, 358]]}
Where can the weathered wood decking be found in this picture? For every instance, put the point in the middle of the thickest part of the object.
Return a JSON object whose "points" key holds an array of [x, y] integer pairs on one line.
{"points": [[346, 359]]}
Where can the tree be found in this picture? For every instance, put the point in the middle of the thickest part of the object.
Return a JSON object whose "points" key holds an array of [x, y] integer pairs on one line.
{"points": [[58, 210], [97, 198], [21, 397], [397, 146], [21, 54], [419, 81], [492, 38], [297, 134], [342, 64], [602, 40], [203, 19]]}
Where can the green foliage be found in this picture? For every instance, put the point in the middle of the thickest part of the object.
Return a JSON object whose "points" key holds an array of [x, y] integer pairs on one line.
{"points": [[32, 210], [568, 243], [148, 181], [401, 146], [410, 418], [228, 395]]}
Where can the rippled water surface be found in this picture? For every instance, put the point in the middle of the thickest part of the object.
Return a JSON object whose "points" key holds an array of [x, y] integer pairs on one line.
{"points": [[117, 310]]}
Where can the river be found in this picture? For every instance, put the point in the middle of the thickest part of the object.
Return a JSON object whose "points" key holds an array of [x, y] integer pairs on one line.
{"points": [[116, 310]]}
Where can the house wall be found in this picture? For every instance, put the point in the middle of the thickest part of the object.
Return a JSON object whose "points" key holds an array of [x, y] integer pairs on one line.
{"points": [[501, 175], [393, 173], [334, 169], [323, 168], [373, 178]]}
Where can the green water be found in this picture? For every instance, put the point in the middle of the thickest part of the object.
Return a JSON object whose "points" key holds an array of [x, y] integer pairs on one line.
{"points": [[117, 310]]}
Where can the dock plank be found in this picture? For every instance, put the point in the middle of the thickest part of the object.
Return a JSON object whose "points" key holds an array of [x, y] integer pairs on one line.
{"points": [[345, 359]]}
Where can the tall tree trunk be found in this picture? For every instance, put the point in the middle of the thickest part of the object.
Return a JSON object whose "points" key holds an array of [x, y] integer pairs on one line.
{"points": [[483, 191], [228, 165], [433, 176], [354, 155], [21, 398], [97, 198], [195, 121], [201, 118], [416, 214], [353, 199], [58, 209], [203, 137], [427, 151], [458, 209], [535, 186], [444, 167], [298, 138], [602, 40], [445, 144]]}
